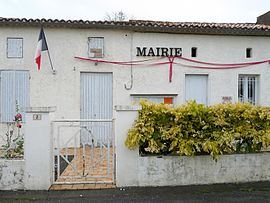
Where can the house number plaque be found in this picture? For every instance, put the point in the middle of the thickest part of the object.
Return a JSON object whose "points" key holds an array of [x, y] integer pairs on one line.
{"points": [[36, 116]]}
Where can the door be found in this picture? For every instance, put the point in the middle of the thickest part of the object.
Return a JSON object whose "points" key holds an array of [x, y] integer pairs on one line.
{"points": [[96, 103], [196, 88]]}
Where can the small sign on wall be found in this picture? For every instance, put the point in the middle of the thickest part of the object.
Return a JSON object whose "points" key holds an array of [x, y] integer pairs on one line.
{"points": [[226, 99], [37, 117], [168, 100]]}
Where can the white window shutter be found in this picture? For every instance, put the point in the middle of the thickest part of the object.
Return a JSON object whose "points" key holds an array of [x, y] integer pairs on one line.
{"points": [[22, 90], [14, 87], [7, 95], [14, 47]]}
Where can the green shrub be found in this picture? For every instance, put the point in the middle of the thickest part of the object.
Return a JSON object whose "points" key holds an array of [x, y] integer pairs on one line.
{"points": [[194, 129]]}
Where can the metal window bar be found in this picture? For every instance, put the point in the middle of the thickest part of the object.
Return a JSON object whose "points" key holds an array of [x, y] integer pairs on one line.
{"points": [[247, 89]]}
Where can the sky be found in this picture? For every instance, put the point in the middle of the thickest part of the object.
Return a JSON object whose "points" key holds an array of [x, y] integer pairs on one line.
{"points": [[219, 11]]}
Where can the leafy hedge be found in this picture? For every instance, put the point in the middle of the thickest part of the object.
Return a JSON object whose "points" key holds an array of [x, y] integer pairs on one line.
{"points": [[194, 129]]}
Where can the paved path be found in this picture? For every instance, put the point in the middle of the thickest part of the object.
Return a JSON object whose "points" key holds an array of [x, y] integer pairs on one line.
{"points": [[249, 192]]}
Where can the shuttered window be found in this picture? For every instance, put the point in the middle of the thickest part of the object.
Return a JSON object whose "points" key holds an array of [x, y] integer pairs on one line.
{"points": [[14, 47], [14, 87], [96, 47]]}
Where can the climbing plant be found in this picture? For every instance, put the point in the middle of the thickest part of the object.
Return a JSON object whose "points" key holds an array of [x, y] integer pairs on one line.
{"points": [[14, 141]]}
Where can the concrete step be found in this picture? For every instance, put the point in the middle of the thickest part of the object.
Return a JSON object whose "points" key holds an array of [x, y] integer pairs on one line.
{"points": [[96, 186]]}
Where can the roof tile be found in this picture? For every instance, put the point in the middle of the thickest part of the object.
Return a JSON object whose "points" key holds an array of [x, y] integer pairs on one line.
{"points": [[152, 26]]}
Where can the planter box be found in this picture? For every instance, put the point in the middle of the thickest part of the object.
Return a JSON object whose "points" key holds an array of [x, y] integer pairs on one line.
{"points": [[12, 174]]}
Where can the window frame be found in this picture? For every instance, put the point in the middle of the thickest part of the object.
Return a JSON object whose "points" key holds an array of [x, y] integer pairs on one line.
{"points": [[246, 89], [208, 86], [89, 43], [152, 97], [194, 52], [7, 48], [249, 53]]}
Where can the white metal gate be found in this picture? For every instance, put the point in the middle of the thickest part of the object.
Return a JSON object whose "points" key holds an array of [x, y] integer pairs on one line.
{"points": [[91, 161], [84, 148]]}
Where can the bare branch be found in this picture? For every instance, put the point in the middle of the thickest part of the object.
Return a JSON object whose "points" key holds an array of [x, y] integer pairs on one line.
{"points": [[116, 16]]}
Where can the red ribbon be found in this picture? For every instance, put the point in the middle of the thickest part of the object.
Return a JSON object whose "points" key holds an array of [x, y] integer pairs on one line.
{"points": [[213, 67], [216, 66], [114, 62], [171, 59], [223, 64]]}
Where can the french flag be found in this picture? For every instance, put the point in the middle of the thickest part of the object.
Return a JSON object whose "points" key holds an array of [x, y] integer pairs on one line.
{"points": [[41, 46]]}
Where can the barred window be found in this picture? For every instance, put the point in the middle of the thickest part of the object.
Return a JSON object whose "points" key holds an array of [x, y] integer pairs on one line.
{"points": [[96, 47], [248, 88]]}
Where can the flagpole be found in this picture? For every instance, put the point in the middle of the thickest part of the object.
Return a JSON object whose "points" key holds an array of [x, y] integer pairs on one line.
{"points": [[50, 60]]}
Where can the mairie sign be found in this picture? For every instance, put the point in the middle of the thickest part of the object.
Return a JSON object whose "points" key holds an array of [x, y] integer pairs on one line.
{"points": [[158, 51]]}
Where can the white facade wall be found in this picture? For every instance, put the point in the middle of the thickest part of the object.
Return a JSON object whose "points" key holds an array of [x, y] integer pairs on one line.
{"points": [[63, 89]]}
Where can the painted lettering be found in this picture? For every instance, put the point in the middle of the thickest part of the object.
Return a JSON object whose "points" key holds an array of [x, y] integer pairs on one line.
{"points": [[177, 52], [158, 54], [158, 51], [141, 52], [151, 52], [164, 51]]}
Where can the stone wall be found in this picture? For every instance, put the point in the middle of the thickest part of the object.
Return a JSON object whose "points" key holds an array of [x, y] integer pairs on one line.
{"points": [[12, 174], [181, 170]]}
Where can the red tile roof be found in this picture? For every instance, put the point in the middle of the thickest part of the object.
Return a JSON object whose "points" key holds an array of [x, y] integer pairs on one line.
{"points": [[149, 26]]}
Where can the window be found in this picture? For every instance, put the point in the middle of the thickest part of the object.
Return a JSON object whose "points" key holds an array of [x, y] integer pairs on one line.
{"points": [[95, 47], [248, 88], [14, 87], [248, 52], [14, 47], [156, 98], [194, 52]]}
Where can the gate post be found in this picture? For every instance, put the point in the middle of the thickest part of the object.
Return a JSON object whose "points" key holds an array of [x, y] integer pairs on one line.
{"points": [[38, 152], [127, 161]]}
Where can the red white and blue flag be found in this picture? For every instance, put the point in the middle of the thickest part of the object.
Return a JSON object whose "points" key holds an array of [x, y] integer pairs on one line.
{"points": [[41, 46]]}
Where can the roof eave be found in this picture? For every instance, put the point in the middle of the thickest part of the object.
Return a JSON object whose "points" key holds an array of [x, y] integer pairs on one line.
{"points": [[137, 28]]}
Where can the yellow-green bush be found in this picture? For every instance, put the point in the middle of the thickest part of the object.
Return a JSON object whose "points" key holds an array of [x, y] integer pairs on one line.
{"points": [[194, 129]]}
